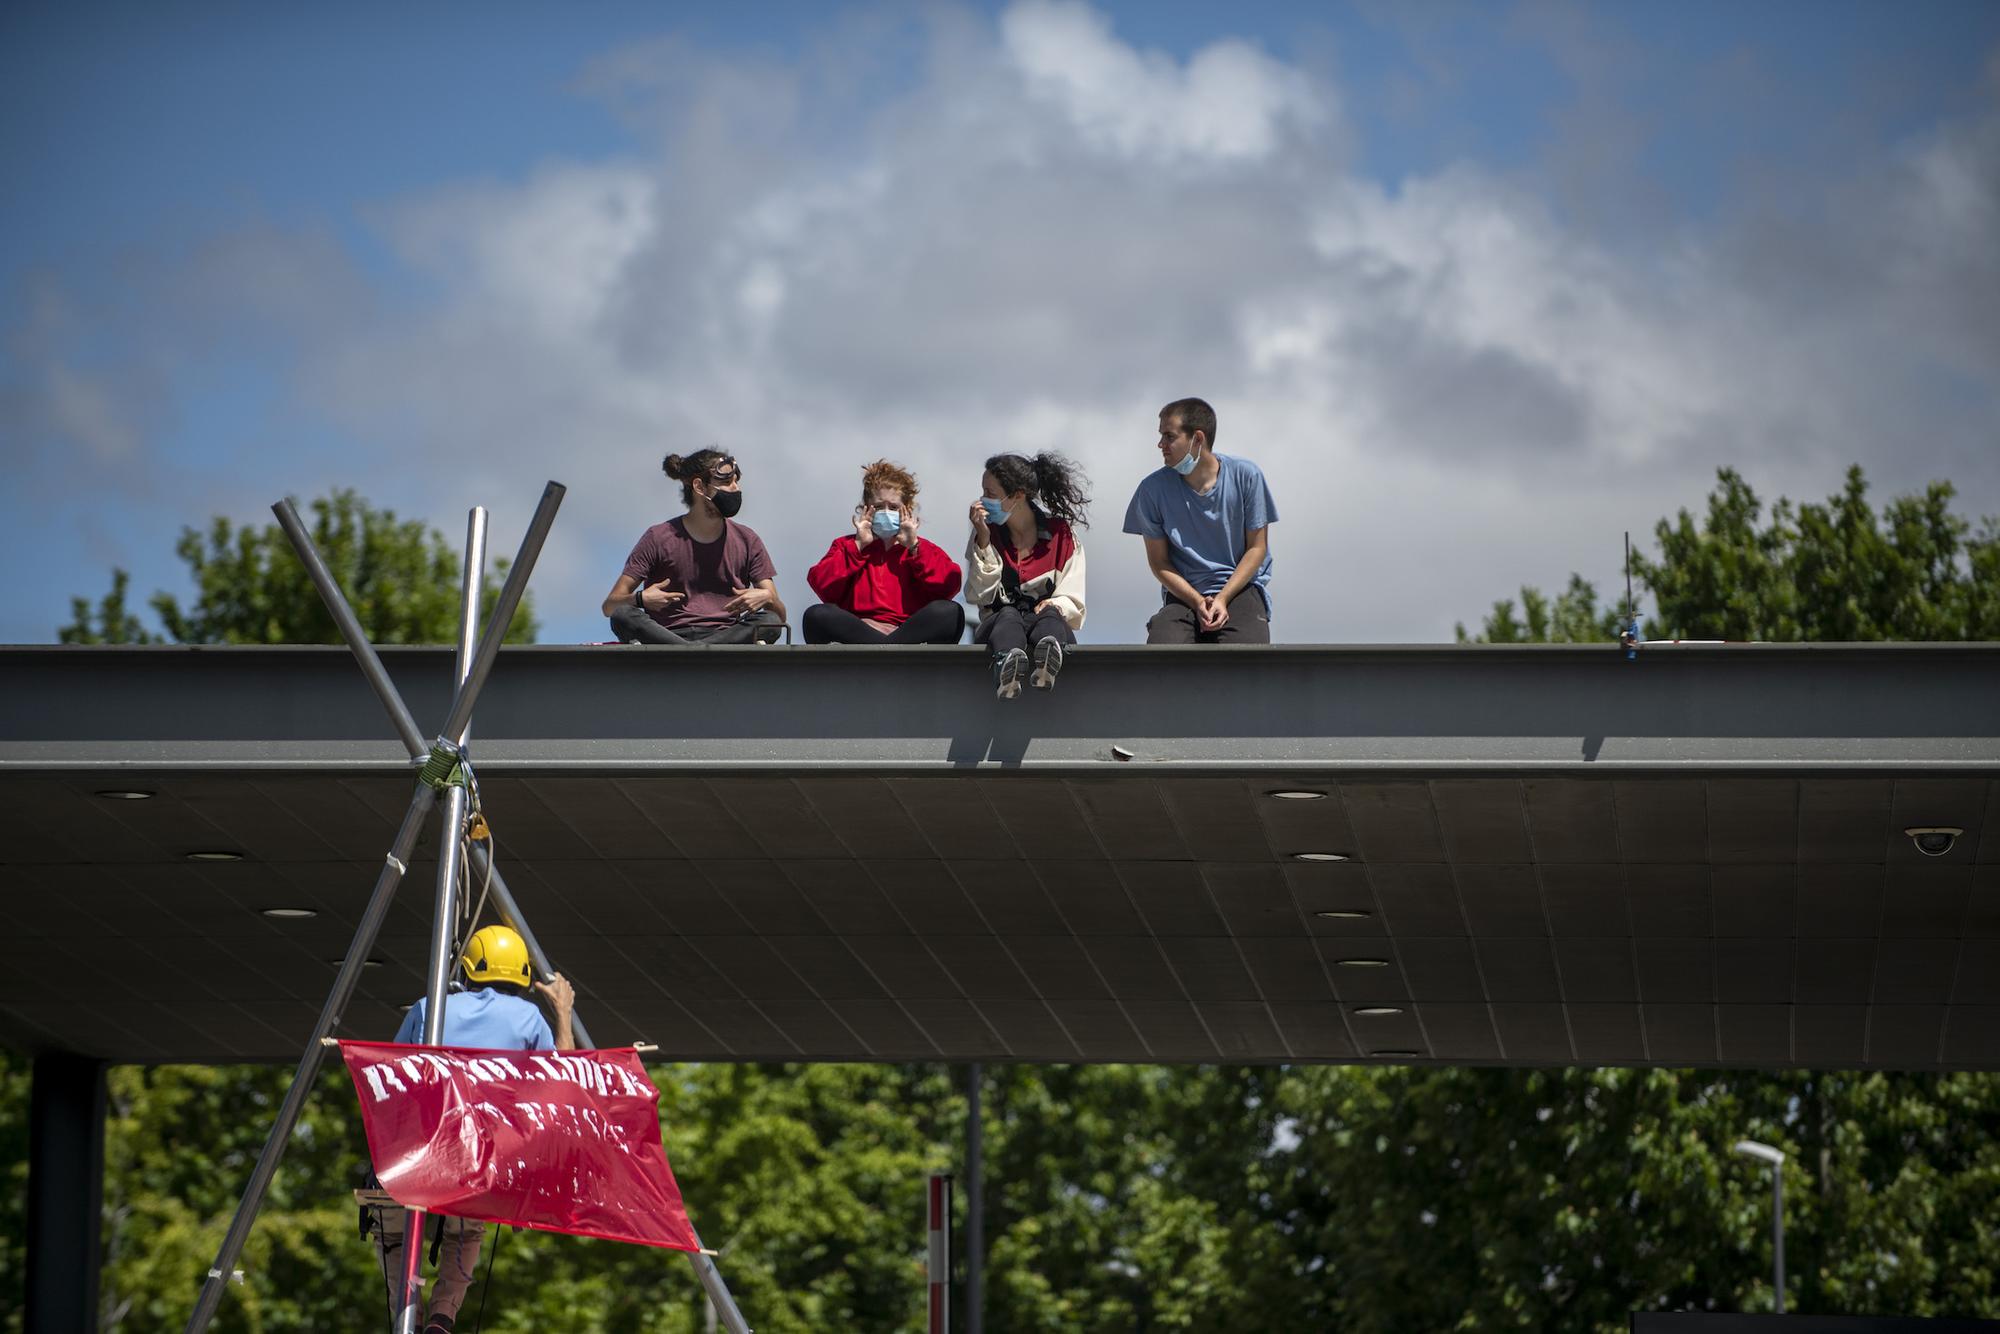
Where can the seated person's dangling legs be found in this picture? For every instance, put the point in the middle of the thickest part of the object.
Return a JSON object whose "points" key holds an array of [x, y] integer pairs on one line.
{"points": [[1024, 567]]}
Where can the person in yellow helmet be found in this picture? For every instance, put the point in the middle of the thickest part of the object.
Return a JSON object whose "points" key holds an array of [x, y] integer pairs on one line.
{"points": [[491, 1010]]}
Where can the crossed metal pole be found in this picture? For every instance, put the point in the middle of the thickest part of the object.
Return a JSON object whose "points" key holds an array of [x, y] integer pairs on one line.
{"points": [[476, 653]]}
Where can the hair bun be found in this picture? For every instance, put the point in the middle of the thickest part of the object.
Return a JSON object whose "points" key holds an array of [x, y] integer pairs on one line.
{"points": [[674, 466]]}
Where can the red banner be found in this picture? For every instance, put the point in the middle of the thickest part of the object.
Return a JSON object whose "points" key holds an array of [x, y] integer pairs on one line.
{"points": [[563, 1141]]}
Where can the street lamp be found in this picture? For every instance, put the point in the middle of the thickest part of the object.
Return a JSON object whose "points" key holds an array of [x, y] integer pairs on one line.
{"points": [[1750, 1148]]}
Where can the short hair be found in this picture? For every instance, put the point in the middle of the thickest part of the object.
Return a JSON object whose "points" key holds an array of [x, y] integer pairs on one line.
{"points": [[1195, 415], [702, 463], [884, 473]]}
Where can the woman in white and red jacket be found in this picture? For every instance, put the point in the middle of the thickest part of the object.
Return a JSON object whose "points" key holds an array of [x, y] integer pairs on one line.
{"points": [[884, 584], [1024, 566]]}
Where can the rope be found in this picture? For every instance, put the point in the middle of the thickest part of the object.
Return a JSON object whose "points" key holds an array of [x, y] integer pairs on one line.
{"points": [[445, 767], [479, 1316]]}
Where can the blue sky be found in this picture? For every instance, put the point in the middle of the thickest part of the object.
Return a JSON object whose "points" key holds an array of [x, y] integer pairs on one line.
{"points": [[1517, 277]]}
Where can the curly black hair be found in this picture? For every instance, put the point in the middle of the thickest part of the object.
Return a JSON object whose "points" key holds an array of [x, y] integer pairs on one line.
{"points": [[1055, 485]]}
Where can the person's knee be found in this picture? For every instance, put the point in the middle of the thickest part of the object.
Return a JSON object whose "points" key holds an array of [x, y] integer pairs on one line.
{"points": [[818, 623], [1171, 624], [622, 626]]}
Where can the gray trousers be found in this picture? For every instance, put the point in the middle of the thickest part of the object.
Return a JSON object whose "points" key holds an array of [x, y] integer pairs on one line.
{"points": [[458, 1257], [1248, 623], [632, 625]]}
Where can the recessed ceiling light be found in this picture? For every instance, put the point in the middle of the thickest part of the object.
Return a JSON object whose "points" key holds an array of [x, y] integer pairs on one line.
{"points": [[1375, 1011], [1395, 1051], [1362, 963], [124, 794], [1319, 856], [214, 855], [1344, 914], [290, 913], [1297, 794]]}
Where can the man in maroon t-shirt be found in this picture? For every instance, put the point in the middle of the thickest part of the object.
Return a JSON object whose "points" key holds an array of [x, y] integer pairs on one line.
{"points": [[702, 578]]}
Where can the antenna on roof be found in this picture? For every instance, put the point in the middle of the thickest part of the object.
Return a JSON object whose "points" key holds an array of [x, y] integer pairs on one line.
{"points": [[1629, 636]]}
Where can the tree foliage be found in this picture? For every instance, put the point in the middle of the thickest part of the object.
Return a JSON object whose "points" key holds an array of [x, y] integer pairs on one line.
{"points": [[400, 576], [1837, 570]]}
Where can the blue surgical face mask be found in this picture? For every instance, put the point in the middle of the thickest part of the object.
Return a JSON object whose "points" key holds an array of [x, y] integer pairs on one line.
{"points": [[995, 511], [886, 522], [1186, 465]]}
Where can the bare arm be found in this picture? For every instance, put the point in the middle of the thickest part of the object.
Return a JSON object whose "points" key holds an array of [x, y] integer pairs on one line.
{"points": [[1215, 611], [1256, 543], [1162, 564], [760, 596], [562, 999], [656, 598]]}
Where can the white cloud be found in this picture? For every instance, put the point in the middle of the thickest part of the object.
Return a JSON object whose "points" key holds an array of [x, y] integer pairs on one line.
{"points": [[1229, 102], [1048, 232]]}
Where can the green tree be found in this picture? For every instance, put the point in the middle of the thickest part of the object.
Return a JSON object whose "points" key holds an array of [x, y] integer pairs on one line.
{"points": [[400, 575], [1838, 570], [1571, 617]]}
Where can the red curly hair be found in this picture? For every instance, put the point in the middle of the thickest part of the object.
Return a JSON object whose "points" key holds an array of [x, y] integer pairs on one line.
{"points": [[884, 473]]}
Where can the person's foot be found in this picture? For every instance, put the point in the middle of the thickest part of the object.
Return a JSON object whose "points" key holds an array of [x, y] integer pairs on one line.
{"points": [[1007, 673], [1048, 662]]}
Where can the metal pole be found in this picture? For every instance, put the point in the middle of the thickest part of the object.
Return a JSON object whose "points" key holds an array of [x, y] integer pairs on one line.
{"points": [[444, 909], [65, 1192], [1778, 1234], [718, 1294], [350, 629], [295, 1097], [975, 1205], [471, 590], [503, 610], [939, 1267], [399, 714]]}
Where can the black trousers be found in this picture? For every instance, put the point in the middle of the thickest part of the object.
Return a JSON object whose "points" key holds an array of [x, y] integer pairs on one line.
{"points": [[1176, 623], [940, 622], [632, 625], [1008, 627]]}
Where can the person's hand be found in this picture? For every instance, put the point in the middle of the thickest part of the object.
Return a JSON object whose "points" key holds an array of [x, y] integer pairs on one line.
{"points": [[658, 597], [907, 532], [979, 533], [561, 995], [1044, 605], [864, 526], [747, 600], [1213, 614]]}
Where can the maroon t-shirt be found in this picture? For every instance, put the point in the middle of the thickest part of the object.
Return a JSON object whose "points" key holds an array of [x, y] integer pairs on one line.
{"points": [[708, 572]]}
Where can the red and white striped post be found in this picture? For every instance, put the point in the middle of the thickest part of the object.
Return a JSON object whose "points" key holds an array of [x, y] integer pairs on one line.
{"points": [[940, 1254]]}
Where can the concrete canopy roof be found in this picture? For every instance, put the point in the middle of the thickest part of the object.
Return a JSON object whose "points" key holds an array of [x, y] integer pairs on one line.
{"points": [[1551, 855]]}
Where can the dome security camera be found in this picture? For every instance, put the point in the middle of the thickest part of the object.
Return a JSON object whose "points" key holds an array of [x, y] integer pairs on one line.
{"points": [[1934, 840]]}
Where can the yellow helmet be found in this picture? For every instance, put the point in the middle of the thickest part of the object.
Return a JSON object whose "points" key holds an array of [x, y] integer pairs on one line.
{"points": [[496, 954]]}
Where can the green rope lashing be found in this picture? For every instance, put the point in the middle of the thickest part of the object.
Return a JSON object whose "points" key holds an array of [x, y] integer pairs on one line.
{"points": [[445, 767]]}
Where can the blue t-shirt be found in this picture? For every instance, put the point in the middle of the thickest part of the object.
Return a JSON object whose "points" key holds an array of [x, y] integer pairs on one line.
{"points": [[1205, 533], [488, 1018]]}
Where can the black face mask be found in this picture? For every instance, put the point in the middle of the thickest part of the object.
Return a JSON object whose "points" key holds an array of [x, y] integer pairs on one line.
{"points": [[727, 503]]}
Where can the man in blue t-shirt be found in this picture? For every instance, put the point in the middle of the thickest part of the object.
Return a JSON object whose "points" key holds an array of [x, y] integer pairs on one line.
{"points": [[492, 1012], [1206, 521]]}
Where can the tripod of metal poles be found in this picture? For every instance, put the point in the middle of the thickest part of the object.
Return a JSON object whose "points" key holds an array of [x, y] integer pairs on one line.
{"points": [[443, 780]]}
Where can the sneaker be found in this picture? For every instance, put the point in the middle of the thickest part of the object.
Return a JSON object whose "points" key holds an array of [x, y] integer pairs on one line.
{"points": [[1048, 661], [1007, 673]]}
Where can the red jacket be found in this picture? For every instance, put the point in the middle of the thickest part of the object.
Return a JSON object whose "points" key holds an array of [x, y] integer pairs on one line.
{"points": [[886, 582]]}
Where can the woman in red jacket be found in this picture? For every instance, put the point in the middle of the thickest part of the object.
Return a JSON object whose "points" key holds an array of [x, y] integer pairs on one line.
{"points": [[885, 585]]}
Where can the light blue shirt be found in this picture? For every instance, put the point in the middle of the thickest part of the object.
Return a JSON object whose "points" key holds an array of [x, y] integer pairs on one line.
{"points": [[488, 1018], [1206, 533]]}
